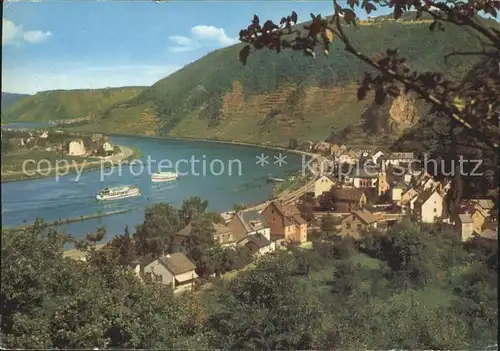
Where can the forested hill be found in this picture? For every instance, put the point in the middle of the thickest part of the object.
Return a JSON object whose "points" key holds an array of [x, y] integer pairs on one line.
{"points": [[277, 96], [67, 104]]}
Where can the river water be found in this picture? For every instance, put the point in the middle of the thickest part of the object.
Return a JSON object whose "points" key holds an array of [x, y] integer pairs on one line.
{"points": [[234, 177]]}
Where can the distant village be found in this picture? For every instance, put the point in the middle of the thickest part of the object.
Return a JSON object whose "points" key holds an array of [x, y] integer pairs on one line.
{"points": [[72, 144]]}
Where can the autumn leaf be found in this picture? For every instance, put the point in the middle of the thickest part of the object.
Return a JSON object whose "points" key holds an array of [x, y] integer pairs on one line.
{"points": [[351, 3], [349, 16], [294, 17], [370, 7], [255, 19]]}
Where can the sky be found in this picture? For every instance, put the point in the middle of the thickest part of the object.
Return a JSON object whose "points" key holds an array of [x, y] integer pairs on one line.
{"points": [[68, 44]]}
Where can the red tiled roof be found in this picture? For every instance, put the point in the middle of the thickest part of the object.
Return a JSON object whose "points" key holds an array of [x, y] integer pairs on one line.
{"points": [[291, 213]]}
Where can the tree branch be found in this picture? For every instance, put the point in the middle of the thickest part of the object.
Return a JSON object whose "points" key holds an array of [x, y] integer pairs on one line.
{"points": [[442, 105]]}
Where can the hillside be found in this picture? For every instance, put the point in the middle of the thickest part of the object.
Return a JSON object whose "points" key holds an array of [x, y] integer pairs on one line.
{"points": [[277, 96], [10, 99], [67, 104]]}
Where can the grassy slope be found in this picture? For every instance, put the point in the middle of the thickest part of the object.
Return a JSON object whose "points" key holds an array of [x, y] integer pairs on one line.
{"points": [[67, 104], [11, 98], [309, 97]]}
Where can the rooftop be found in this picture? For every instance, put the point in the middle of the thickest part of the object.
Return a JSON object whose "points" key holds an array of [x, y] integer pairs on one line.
{"points": [[177, 263], [366, 216]]}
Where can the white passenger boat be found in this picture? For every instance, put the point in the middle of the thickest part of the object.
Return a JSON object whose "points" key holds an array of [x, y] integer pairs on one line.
{"points": [[118, 192], [164, 176]]}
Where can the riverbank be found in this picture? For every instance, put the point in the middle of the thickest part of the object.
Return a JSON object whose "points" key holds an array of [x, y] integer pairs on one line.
{"points": [[269, 146], [70, 220], [127, 154]]}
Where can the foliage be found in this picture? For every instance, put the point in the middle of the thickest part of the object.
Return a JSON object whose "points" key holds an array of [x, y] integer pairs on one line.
{"points": [[320, 298], [266, 308], [155, 234], [192, 208], [49, 301]]}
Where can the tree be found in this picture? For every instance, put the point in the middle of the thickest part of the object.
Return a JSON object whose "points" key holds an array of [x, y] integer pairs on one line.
{"points": [[346, 279], [220, 260], [94, 238], [191, 208], [293, 143], [199, 243], [123, 248], [267, 308], [156, 233], [413, 256], [53, 302]]}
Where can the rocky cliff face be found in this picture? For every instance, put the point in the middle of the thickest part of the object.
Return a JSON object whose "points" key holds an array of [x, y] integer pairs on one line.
{"points": [[392, 117], [404, 111]]}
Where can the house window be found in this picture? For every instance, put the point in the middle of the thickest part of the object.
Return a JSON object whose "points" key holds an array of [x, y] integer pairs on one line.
{"points": [[359, 226], [435, 210], [348, 225]]}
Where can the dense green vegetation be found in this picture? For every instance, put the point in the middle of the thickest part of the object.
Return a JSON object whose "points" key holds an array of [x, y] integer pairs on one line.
{"points": [[413, 287], [67, 104]]}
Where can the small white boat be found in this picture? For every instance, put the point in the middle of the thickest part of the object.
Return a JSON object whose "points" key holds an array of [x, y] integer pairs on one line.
{"points": [[118, 192], [164, 176]]}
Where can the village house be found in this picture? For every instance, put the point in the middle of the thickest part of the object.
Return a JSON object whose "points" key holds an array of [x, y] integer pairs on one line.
{"points": [[429, 206], [249, 222], [257, 245], [175, 269], [323, 184], [44, 134], [408, 198], [397, 158], [348, 200], [357, 221], [362, 177], [108, 148], [464, 226], [222, 234], [76, 148], [397, 191], [477, 216], [285, 222], [484, 205]]}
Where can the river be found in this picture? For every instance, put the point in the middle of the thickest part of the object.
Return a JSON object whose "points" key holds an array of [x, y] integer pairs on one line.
{"points": [[242, 180]]}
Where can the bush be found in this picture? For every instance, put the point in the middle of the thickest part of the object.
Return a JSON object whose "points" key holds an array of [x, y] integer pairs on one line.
{"points": [[345, 248]]}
